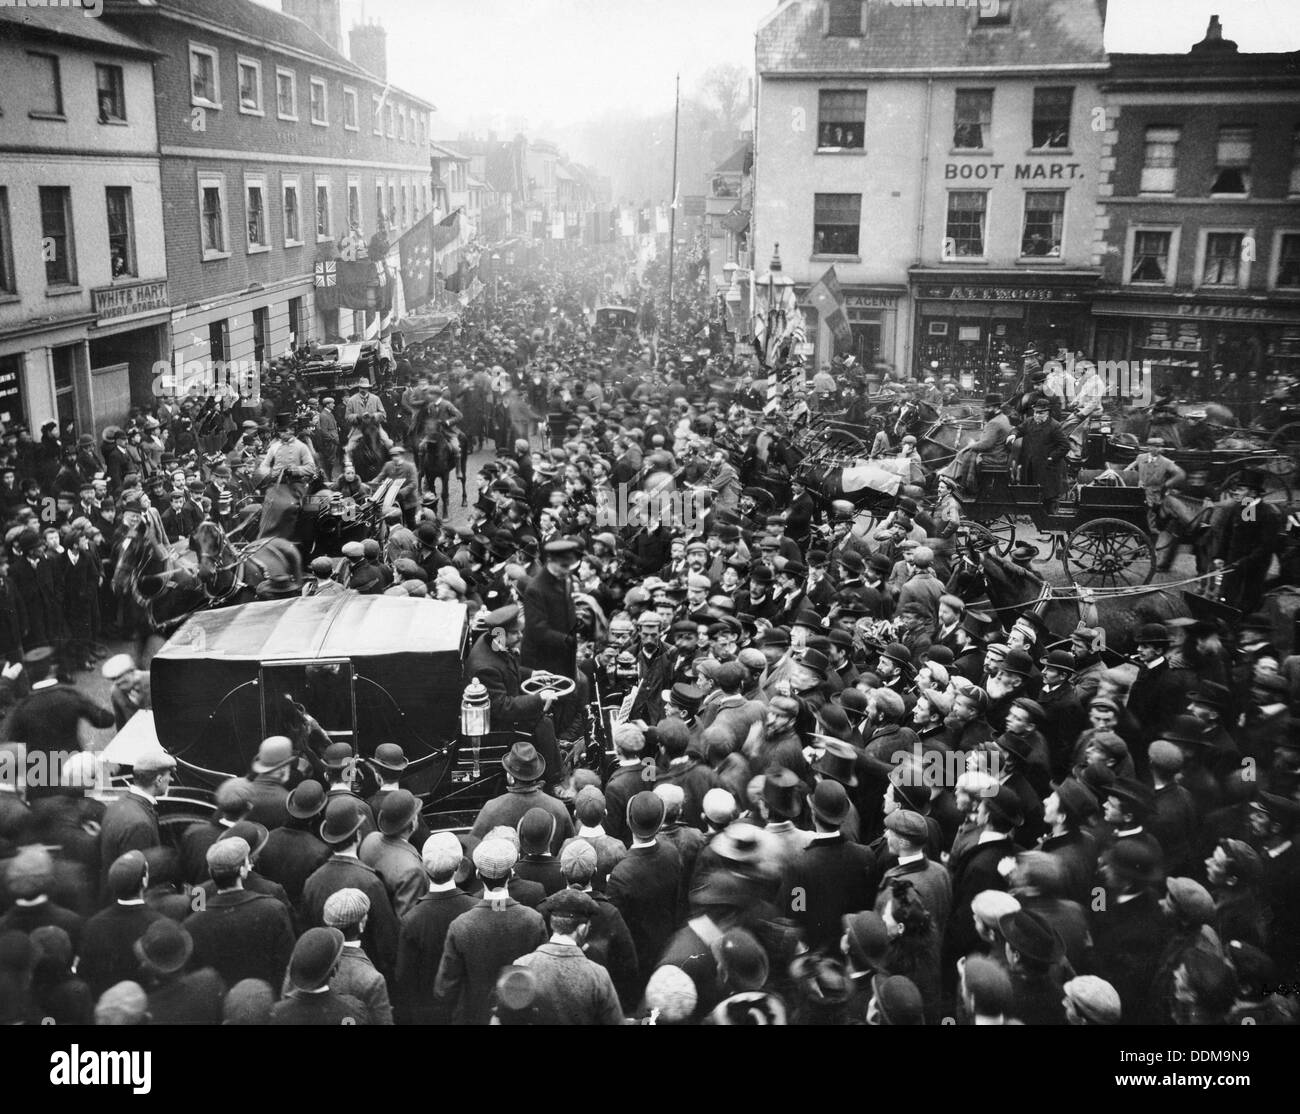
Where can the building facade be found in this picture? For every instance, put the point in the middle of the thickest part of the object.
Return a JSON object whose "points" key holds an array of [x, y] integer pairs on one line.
{"points": [[84, 302], [1198, 233], [944, 160], [277, 151]]}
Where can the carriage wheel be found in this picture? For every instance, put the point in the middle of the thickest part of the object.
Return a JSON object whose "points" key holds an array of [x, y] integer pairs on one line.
{"points": [[1001, 529], [1277, 490], [1109, 553]]}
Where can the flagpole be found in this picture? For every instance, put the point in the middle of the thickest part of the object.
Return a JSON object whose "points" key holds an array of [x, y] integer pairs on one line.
{"points": [[672, 220]]}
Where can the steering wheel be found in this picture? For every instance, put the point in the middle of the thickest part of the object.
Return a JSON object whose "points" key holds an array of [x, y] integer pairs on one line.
{"points": [[541, 682]]}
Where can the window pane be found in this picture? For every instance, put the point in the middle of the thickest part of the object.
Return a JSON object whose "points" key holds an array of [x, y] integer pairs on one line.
{"points": [[972, 117], [47, 92], [203, 78], [256, 217], [841, 119], [1159, 163], [1044, 220], [1150, 256], [1288, 265], [284, 87], [121, 251], [836, 221], [291, 212], [966, 222], [350, 109], [1222, 258], [250, 95], [214, 234], [1234, 146], [844, 18], [354, 207], [1051, 126], [108, 83], [318, 103], [322, 210], [56, 243], [6, 245]]}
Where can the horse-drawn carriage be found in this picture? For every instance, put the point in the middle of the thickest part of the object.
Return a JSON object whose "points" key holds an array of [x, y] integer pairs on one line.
{"points": [[609, 321]]}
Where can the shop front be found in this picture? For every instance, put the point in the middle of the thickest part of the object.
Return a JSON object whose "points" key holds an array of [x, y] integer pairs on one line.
{"points": [[966, 328], [873, 320], [129, 337], [1203, 349]]}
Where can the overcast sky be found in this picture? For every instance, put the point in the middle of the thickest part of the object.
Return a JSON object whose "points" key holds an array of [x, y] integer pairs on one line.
{"points": [[534, 64]]}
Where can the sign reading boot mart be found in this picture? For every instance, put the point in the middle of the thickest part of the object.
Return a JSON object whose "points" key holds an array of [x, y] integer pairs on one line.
{"points": [[109, 302]]}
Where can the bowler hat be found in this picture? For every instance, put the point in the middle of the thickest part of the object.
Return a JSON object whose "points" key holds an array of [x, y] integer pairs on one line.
{"points": [[1031, 935], [399, 808], [1076, 801], [314, 957], [645, 814], [166, 946], [390, 757], [1138, 796], [1005, 805], [342, 819], [306, 800], [1151, 634], [830, 803]]}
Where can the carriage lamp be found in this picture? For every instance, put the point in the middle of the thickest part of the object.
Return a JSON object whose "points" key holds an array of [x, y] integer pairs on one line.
{"points": [[475, 718]]}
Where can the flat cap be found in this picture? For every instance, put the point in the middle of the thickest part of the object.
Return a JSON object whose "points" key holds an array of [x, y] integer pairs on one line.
{"points": [[910, 825], [672, 992], [719, 806], [1094, 998], [227, 854], [126, 874], [153, 762], [345, 907], [1190, 900], [578, 860], [495, 858], [442, 853], [572, 903], [990, 906]]}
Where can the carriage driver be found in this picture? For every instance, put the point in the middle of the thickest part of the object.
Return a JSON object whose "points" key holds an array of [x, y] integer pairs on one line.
{"points": [[288, 460], [990, 447]]}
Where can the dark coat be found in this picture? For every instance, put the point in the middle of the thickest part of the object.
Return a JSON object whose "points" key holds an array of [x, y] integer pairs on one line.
{"points": [[48, 719], [479, 943], [194, 998], [420, 942], [501, 674], [107, 955], [1157, 696], [78, 590], [973, 871], [289, 858], [242, 935], [696, 778], [340, 872], [40, 609], [1128, 940], [829, 878], [645, 888], [329, 1008], [130, 824], [549, 622], [1041, 452], [509, 808], [609, 943]]}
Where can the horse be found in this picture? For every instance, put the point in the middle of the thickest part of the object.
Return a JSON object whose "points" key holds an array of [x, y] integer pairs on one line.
{"points": [[155, 589], [369, 454], [443, 450], [229, 575]]}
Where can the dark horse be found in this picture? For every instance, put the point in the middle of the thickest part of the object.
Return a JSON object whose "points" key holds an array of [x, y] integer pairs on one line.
{"points": [[156, 592], [231, 575], [443, 450]]}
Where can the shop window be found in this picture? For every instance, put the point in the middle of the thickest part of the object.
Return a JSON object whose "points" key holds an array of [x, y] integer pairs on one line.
{"points": [[1151, 256], [1051, 125], [1223, 264], [1159, 162], [219, 340], [836, 221], [110, 94], [250, 86], [841, 121], [1288, 259], [1232, 163], [965, 228], [255, 198], [972, 119], [1044, 221], [844, 19], [11, 390], [121, 231], [56, 236], [46, 85]]}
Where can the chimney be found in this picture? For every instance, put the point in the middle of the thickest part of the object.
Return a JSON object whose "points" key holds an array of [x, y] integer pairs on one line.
{"points": [[322, 16], [1214, 42], [370, 48]]}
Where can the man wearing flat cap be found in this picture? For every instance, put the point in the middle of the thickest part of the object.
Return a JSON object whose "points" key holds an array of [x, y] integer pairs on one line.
{"points": [[571, 989], [131, 821]]}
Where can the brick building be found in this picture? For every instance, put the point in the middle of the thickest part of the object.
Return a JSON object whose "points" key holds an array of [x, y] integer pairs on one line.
{"points": [[1198, 233], [83, 272], [276, 148]]}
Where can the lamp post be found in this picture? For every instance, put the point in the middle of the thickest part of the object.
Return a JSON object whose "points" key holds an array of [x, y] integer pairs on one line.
{"points": [[780, 291], [496, 277], [475, 719]]}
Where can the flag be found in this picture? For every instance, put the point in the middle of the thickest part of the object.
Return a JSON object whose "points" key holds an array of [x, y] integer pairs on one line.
{"points": [[827, 298], [416, 249], [445, 231], [360, 285], [327, 280]]}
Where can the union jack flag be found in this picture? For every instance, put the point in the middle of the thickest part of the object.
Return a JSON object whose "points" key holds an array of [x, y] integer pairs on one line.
{"points": [[327, 273]]}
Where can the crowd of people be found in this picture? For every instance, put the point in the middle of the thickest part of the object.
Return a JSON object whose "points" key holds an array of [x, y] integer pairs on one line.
{"points": [[808, 774]]}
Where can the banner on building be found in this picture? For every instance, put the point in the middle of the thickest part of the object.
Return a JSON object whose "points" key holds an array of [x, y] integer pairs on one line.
{"points": [[358, 285], [416, 250], [447, 231]]}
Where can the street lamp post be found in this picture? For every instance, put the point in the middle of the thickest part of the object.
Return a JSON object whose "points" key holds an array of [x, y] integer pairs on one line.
{"points": [[780, 289]]}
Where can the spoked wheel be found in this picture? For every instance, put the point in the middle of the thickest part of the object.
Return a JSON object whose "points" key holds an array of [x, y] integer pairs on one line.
{"points": [[1001, 530], [1109, 553], [1277, 487]]}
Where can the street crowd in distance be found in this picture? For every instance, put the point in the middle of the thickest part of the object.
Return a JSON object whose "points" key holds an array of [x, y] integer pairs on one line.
{"points": [[812, 770]]}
